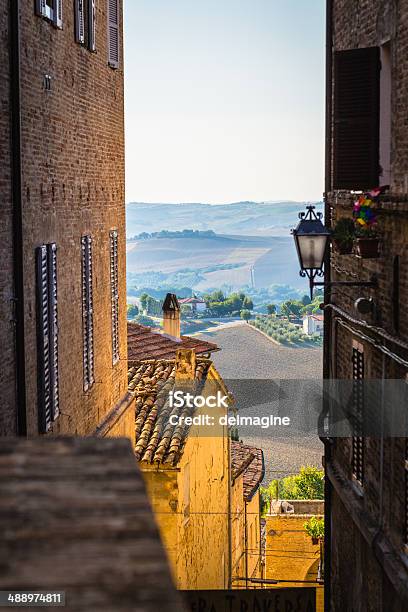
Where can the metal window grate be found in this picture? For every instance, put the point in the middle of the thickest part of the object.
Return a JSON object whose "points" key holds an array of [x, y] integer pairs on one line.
{"points": [[114, 284], [358, 410], [87, 312], [47, 336]]}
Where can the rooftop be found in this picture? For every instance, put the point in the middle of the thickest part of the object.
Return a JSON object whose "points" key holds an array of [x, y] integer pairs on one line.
{"points": [[156, 439], [75, 516], [147, 343], [249, 461]]}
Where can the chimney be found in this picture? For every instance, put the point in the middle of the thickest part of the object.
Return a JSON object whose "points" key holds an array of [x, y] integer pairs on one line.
{"points": [[185, 365], [171, 316]]}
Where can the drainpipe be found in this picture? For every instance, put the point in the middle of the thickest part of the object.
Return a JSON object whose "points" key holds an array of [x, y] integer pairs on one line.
{"points": [[327, 348], [15, 105]]}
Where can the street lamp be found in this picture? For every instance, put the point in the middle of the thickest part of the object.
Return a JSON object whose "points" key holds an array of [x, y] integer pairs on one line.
{"points": [[312, 239]]}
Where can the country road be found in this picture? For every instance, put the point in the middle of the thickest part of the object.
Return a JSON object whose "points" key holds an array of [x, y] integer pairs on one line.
{"points": [[246, 354]]}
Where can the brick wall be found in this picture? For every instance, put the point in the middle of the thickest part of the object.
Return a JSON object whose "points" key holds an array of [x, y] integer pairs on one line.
{"points": [[73, 183], [364, 584], [7, 381]]}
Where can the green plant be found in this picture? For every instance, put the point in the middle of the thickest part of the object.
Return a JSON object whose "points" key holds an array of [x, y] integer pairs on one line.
{"points": [[344, 231], [315, 528], [308, 484], [245, 314]]}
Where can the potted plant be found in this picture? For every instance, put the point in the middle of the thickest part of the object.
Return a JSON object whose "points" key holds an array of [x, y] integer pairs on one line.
{"points": [[343, 235], [315, 528], [368, 241]]}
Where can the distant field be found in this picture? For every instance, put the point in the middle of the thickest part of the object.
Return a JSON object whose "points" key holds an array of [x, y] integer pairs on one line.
{"points": [[239, 218], [273, 258]]}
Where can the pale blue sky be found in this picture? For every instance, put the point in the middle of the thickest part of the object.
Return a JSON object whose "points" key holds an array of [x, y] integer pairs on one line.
{"points": [[224, 100]]}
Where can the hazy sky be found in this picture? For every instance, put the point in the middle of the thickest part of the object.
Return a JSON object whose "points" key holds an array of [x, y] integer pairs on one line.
{"points": [[224, 100]]}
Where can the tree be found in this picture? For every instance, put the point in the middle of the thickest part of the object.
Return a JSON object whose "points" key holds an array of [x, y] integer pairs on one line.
{"points": [[271, 308], [291, 307], [247, 303], [143, 320], [132, 311], [306, 300], [308, 484], [143, 300], [246, 315]]}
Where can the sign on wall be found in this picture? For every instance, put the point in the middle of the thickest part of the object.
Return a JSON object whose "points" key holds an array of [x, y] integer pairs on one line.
{"points": [[252, 600]]}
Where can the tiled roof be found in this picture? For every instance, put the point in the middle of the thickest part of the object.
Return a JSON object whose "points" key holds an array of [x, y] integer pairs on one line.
{"points": [[156, 439], [145, 343], [75, 515], [249, 461]]}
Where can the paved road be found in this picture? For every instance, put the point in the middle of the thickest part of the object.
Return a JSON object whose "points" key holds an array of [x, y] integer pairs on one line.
{"points": [[247, 354]]}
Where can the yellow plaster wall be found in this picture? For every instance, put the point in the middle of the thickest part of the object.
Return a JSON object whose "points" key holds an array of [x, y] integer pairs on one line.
{"points": [[245, 536], [253, 519], [192, 506], [290, 553]]}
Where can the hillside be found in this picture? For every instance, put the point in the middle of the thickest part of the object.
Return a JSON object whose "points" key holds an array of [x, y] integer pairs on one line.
{"points": [[214, 261], [240, 218]]}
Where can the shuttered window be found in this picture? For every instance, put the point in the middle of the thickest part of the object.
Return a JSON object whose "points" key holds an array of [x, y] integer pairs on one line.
{"points": [[91, 25], [79, 21], [356, 119], [114, 286], [87, 313], [47, 336], [358, 414], [113, 33], [85, 23], [50, 9]]}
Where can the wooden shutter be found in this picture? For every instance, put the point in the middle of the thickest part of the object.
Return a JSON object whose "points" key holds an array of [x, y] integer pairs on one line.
{"points": [[53, 310], [356, 119], [57, 13], [79, 22], [92, 25], [47, 336], [114, 283], [87, 312], [43, 342], [113, 33], [40, 8], [358, 420]]}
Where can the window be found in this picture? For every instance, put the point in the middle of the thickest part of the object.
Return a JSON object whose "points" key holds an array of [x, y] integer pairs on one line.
{"points": [[47, 336], [358, 413], [85, 23], [113, 33], [114, 294], [385, 115], [51, 10], [356, 119], [87, 312]]}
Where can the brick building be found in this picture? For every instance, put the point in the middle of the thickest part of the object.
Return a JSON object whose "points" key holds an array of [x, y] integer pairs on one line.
{"points": [[366, 564], [63, 363]]}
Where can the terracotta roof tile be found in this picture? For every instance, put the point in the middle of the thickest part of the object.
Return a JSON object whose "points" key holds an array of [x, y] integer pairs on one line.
{"points": [[156, 439], [249, 461], [147, 343]]}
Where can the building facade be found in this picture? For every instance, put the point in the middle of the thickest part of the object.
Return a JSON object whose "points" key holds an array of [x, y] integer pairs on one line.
{"points": [[186, 466], [63, 307], [366, 330]]}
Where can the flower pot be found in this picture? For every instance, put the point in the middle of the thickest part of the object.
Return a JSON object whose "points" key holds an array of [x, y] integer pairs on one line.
{"points": [[343, 248], [368, 248]]}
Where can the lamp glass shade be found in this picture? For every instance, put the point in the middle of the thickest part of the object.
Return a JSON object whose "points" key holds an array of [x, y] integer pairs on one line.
{"points": [[311, 238]]}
